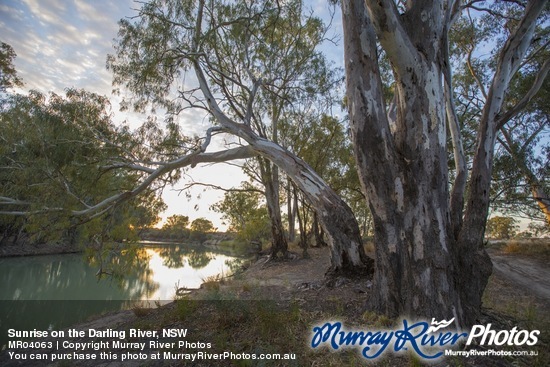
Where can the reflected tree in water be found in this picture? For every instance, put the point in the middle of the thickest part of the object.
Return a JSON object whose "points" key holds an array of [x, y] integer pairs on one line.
{"points": [[198, 260], [173, 256]]}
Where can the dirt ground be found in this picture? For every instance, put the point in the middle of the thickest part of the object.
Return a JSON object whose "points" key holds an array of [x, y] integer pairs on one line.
{"points": [[283, 280], [528, 276], [517, 295], [529, 273]]}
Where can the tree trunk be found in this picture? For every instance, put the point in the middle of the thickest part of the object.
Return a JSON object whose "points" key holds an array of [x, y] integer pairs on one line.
{"points": [[279, 244], [301, 225], [291, 212], [542, 200], [347, 253], [404, 174], [318, 233], [428, 262]]}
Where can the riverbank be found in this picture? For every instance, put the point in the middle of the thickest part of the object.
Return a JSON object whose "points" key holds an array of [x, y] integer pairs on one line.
{"points": [[220, 241], [273, 306], [24, 249]]}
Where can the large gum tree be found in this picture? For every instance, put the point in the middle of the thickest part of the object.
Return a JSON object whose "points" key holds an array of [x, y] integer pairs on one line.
{"points": [[228, 60], [430, 259]]}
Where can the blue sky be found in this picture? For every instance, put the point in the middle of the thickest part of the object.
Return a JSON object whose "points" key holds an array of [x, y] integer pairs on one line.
{"points": [[64, 43]]}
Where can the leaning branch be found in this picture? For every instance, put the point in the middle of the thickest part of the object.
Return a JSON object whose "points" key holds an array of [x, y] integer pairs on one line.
{"points": [[188, 160], [459, 186]]}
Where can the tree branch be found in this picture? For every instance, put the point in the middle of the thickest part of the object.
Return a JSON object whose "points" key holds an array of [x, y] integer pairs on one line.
{"points": [[474, 74], [459, 186], [502, 119], [393, 37], [216, 187]]}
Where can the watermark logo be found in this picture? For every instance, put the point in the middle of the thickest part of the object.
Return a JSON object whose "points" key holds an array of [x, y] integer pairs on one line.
{"points": [[513, 337], [428, 341], [439, 325]]}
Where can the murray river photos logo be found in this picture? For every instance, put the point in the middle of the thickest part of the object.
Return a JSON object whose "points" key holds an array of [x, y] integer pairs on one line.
{"points": [[428, 341]]}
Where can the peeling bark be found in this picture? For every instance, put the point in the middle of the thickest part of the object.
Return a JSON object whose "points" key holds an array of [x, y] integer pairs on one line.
{"points": [[428, 262]]}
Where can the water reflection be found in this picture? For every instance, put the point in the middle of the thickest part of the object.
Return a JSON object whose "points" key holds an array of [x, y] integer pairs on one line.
{"points": [[194, 266], [67, 277], [44, 291], [176, 256], [150, 274]]}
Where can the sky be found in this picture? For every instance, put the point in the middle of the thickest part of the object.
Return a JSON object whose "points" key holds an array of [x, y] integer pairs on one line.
{"points": [[64, 44]]}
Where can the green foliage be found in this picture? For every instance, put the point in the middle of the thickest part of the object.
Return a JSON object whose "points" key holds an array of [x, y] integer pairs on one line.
{"points": [[58, 158], [176, 221], [8, 74], [501, 227], [175, 227], [245, 214], [334, 162], [539, 229], [200, 227]]}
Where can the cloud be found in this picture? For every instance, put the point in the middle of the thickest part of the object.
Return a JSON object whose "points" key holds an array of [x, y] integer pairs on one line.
{"points": [[47, 12], [62, 43], [94, 12]]}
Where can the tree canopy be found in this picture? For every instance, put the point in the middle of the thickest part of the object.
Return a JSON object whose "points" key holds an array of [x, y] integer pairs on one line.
{"points": [[8, 74], [56, 160]]}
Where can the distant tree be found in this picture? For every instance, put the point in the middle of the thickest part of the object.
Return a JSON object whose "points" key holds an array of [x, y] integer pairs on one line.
{"points": [[242, 209], [176, 221], [202, 225], [501, 227], [176, 226], [539, 229]]}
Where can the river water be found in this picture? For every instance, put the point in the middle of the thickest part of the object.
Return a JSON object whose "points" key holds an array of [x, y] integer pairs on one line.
{"points": [[55, 291]]}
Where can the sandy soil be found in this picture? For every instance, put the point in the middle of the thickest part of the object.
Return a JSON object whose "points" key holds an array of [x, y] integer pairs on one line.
{"points": [[526, 272]]}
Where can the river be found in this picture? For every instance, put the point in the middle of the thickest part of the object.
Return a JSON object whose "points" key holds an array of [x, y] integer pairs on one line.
{"points": [[55, 291]]}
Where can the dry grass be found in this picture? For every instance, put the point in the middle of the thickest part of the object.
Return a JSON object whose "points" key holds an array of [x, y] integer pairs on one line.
{"points": [[219, 314], [212, 283], [530, 247], [516, 306]]}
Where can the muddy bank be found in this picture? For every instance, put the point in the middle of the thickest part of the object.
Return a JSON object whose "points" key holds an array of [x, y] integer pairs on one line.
{"points": [[22, 249]]}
